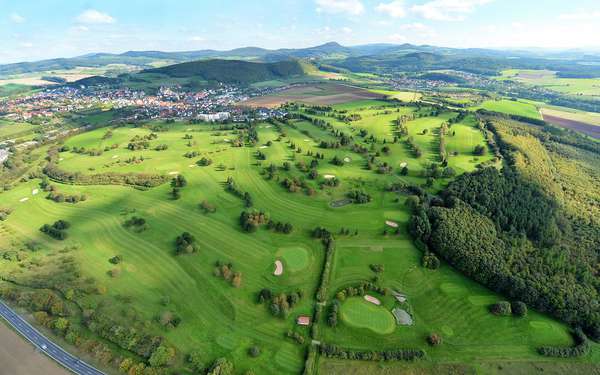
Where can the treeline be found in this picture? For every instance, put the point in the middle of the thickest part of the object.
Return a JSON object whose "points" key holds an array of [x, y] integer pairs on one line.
{"points": [[581, 347], [333, 351], [109, 178], [279, 304], [232, 187]]}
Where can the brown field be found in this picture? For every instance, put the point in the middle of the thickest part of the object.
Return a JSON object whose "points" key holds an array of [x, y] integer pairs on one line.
{"points": [[589, 129], [18, 357], [316, 94]]}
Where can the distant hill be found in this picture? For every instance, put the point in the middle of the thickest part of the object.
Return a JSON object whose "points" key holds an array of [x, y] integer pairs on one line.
{"points": [[232, 71]]}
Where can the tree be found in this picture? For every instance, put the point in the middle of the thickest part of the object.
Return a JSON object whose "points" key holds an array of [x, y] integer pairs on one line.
{"points": [[518, 308], [501, 308], [254, 351], [434, 339], [221, 367], [161, 356], [479, 150], [195, 360], [185, 244]]}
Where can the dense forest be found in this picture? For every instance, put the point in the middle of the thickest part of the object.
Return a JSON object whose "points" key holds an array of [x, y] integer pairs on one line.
{"points": [[518, 230]]}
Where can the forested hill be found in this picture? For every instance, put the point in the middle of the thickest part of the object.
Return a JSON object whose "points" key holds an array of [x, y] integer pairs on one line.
{"points": [[232, 71]]}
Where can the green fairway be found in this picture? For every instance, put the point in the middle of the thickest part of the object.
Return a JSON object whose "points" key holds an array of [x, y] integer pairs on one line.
{"points": [[295, 258], [356, 312]]}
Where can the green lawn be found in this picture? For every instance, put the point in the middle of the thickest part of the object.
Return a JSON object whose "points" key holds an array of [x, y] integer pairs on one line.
{"points": [[512, 107], [358, 313]]}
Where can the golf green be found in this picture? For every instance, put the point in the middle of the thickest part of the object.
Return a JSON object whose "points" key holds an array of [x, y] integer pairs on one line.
{"points": [[295, 258], [356, 312]]}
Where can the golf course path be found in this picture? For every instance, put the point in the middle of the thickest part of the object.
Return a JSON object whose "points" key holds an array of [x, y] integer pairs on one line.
{"points": [[44, 345]]}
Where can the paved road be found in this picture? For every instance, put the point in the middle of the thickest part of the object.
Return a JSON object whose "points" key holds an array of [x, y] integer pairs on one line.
{"points": [[46, 346]]}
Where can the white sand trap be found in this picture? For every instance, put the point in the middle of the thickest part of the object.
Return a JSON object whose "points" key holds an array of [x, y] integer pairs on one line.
{"points": [[61, 159], [399, 296], [173, 173], [402, 317], [403, 164], [23, 199], [263, 146], [372, 299], [347, 160], [34, 191], [267, 126], [278, 268], [192, 165], [188, 129], [328, 176], [307, 140], [226, 140], [392, 224], [115, 156]]}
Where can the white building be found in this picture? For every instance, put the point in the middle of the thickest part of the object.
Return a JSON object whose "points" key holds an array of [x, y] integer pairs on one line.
{"points": [[212, 117]]}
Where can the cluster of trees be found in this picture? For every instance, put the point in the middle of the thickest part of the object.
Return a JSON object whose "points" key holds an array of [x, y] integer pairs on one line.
{"points": [[191, 154], [414, 147], [250, 221], [330, 144], [359, 196], [327, 239], [137, 223], [443, 152], [581, 347], [208, 207], [177, 183], [429, 260], [58, 197], [84, 151], [333, 351], [280, 304], [332, 314], [232, 187], [225, 270], [108, 178], [161, 147], [185, 244], [479, 150], [280, 227], [4, 213], [505, 308], [293, 184], [336, 160], [360, 289], [298, 337], [56, 230]]}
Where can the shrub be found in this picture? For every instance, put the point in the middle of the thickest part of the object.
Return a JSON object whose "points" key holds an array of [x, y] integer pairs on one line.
{"points": [[185, 244], [518, 308], [254, 351], [501, 308], [430, 261], [434, 339]]}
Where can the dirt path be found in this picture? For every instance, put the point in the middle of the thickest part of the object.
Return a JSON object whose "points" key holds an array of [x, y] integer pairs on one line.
{"points": [[18, 357]]}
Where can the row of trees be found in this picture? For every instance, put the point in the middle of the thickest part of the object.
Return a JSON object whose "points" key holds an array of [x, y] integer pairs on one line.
{"points": [[56, 230], [109, 178], [280, 304], [333, 351], [225, 270]]}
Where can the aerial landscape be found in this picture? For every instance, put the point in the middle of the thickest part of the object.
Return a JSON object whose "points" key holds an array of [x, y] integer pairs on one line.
{"points": [[300, 187]]}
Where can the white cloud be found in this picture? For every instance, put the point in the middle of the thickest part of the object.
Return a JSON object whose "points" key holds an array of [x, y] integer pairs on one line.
{"points": [[580, 15], [26, 45], [81, 28], [197, 39], [350, 7], [394, 9], [416, 26], [397, 38], [93, 16], [347, 30], [447, 10], [17, 18]]}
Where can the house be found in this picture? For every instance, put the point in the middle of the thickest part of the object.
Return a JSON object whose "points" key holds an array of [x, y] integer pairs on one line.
{"points": [[303, 320]]}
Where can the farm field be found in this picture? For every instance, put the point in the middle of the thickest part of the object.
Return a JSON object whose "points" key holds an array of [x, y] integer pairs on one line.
{"points": [[9, 129], [218, 296], [515, 107], [548, 79], [314, 94]]}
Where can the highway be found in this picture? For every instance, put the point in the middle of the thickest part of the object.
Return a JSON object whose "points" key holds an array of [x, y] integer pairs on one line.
{"points": [[46, 346]]}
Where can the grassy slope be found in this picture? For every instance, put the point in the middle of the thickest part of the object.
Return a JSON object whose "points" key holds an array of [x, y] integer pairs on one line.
{"points": [[520, 108]]}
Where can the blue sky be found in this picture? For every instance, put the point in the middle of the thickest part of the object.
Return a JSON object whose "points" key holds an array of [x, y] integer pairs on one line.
{"points": [[34, 29]]}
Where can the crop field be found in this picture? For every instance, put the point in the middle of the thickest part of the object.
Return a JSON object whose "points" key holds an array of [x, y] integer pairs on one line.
{"points": [[11, 129], [317, 94], [514, 107], [135, 276], [549, 80]]}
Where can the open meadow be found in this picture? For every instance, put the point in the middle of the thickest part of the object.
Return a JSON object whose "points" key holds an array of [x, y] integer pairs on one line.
{"points": [[221, 257]]}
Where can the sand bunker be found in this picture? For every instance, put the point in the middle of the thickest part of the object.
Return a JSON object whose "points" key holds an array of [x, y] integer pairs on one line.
{"points": [[34, 191], [61, 159], [115, 156], [173, 173], [192, 165], [402, 165], [402, 317], [264, 146], [278, 268], [328, 176], [392, 224], [399, 296], [372, 299], [226, 140], [307, 140], [23, 199], [347, 160]]}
